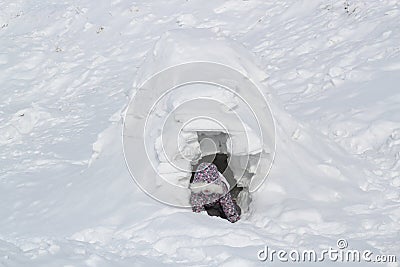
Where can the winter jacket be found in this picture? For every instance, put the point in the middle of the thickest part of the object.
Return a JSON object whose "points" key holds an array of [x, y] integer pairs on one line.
{"points": [[210, 187]]}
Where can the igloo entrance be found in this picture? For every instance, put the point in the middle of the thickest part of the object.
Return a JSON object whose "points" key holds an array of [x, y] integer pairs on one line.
{"points": [[214, 149]]}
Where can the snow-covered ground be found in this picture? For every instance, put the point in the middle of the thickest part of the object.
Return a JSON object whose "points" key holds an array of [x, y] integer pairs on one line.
{"points": [[66, 72]]}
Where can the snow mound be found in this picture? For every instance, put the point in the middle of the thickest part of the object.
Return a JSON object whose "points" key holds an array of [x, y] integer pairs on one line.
{"points": [[194, 91]]}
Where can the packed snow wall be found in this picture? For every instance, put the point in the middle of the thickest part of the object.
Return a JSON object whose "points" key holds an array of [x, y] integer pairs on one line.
{"points": [[197, 94]]}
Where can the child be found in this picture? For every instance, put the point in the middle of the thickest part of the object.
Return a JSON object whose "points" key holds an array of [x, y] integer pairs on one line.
{"points": [[210, 192]]}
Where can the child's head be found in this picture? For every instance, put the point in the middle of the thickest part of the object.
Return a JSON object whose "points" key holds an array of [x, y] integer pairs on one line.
{"points": [[206, 172]]}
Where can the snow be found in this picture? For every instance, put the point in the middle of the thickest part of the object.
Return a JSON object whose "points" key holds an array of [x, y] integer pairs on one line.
{"points": [[203, 91], [67, 69]]}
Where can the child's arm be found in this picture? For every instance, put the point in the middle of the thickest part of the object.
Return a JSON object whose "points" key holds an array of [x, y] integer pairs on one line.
{"points": [[197, 202], [229, 208]]}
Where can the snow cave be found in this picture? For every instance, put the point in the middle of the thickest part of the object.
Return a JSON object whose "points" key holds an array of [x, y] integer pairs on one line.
{"points": [[198, 98]]}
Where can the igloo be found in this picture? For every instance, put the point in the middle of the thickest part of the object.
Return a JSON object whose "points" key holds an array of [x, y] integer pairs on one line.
{"points": [[197, 98]]}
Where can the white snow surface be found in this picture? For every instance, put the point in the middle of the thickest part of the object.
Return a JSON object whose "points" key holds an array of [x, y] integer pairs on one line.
{"points": [[66, 72]]}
